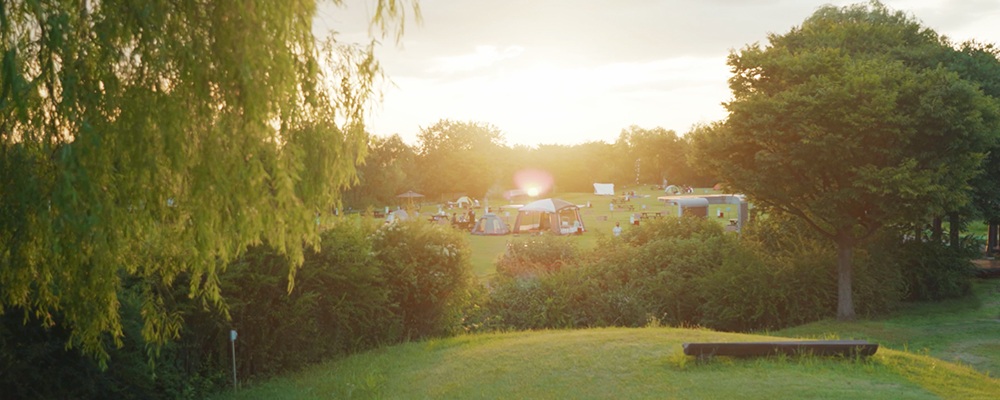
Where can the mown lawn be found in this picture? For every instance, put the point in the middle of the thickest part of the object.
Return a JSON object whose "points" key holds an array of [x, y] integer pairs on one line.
{"points": [[964, 330], [486, 249], [617, 363]]}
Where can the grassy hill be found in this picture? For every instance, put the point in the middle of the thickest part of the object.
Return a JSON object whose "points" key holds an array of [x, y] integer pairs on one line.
{"points": [[617, 363], [965, 330]]}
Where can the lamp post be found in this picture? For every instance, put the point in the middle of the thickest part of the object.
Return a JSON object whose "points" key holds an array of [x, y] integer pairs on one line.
{"points": [[232, 340]]}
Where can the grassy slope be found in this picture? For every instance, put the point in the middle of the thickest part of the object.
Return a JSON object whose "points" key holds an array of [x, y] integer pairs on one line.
{"points": [[965, 330], [615, 364]]}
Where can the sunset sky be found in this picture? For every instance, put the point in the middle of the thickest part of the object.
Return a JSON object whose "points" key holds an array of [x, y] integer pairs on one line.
{"points": [[575, 71]]}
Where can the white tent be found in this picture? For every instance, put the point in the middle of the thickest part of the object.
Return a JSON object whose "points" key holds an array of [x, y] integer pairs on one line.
{"points": [[604, 189], [558, 216], [398, 215]]}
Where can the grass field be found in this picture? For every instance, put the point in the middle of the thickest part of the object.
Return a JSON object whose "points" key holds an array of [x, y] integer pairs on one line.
{"points": [[486, 249], [964, 330], [617, 363]]}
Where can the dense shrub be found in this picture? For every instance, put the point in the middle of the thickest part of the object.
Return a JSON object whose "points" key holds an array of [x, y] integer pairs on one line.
{"points": [[427, 274], [930, 270], [687, 271], [537, 255], [788, 244], [339, 303], [35, 363], [362, 288]]}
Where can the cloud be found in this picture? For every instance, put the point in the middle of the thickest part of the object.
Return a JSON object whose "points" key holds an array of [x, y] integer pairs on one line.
{"points": [[484, 56]]}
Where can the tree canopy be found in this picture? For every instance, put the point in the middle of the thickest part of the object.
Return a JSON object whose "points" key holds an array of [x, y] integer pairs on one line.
{"points": [[835, 123], [158, 138]]}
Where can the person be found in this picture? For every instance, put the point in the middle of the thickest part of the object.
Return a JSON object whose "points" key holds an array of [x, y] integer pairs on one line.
{"points": [[454, 219], [618, 229], [476, 201]]}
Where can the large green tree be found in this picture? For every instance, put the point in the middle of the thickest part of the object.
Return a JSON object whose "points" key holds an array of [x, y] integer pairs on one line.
{"points": [[832, 124], [156, 138], [384, 174], [459, 157]]}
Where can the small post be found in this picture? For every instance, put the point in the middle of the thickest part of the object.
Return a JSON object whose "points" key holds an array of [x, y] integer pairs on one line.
{"points": [[232, 340]]}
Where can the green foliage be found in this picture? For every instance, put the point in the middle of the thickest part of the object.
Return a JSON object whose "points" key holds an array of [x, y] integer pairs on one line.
{"points": [[387, 171], [661, 154], [427, 272], [686, 271], [835, 123], [537, 255], [339, 303], [366, 287], [459, 157], [161, 138], [930, 270], [37, 365]]}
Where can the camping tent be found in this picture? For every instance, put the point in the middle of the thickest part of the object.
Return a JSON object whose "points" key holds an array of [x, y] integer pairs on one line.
{"points": [[555, 215], [604, 189], [398, 215], [490, 224], [464, 199]]}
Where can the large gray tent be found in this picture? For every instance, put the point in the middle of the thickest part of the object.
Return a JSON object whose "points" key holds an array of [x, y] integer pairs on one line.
{"points": [[490, 225], [558, 216]]}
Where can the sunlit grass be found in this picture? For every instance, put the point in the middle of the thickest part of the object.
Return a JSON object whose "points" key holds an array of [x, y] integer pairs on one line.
{"points": [[964, 330], [486, 249], [617, 363]]}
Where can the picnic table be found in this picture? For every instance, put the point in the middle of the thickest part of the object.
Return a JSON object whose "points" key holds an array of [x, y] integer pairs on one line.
{"points": [[378, 214], [624, 207], [651, 214]]}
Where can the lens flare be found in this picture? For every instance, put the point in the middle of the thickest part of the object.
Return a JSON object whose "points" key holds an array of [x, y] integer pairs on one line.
{"points": [[533, 182]]}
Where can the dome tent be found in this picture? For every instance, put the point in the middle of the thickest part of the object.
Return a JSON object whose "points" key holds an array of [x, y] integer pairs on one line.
{"points": [[398, 215], [490, 225], [555, 215]]}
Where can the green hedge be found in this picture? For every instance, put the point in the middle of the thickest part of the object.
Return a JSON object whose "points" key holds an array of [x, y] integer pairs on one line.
{"points": [[687, 272]]}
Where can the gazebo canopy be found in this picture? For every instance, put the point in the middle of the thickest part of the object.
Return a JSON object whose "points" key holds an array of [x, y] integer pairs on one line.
{"points": [[410, 193]]}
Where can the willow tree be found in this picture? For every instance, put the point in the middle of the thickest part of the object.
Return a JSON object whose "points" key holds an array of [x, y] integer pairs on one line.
{"points": [[160, 138], [834, 124]]}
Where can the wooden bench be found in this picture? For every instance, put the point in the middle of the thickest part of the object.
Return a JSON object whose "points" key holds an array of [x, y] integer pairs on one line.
{"points": [[753, 349]]}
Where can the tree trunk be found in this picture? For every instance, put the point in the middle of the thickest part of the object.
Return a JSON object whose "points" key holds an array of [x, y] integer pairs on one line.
{"points": [[954, 228], [936, 230], [845, 302], [991, 239]]}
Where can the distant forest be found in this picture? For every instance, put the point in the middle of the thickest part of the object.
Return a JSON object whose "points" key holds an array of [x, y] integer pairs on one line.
{"points": [[472, 158]]}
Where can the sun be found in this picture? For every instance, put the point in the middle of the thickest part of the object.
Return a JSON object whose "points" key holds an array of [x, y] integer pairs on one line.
{"points": [[532, 192]]}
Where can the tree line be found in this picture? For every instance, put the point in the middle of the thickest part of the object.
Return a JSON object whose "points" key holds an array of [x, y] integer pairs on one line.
{"points": [[472, 158]]}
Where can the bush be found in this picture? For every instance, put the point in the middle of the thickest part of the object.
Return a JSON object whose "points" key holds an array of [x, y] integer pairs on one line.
{"points": [[339, 303], [538, 255], [687, 271], [930, 270], [427, 274], [364, 287]]}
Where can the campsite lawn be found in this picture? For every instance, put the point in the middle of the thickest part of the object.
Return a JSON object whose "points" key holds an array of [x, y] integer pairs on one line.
{"points": [[486, 249], [616, 363], [964, 330]]}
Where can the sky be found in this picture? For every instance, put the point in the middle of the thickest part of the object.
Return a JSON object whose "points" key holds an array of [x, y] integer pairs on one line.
{"points": [[567, 72]]}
